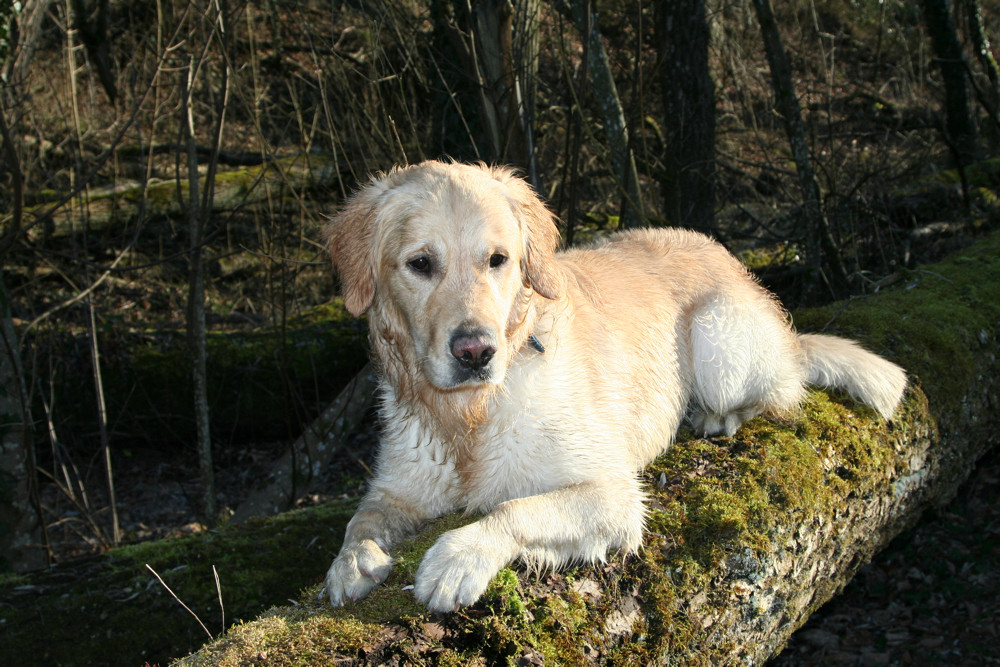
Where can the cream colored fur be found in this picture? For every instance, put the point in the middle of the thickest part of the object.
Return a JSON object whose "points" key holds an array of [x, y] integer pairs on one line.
{"points": [[637, 332]]}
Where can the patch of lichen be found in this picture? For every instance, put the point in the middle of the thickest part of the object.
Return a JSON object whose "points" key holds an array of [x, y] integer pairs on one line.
{"points": [[111, 610], [713, 500]]}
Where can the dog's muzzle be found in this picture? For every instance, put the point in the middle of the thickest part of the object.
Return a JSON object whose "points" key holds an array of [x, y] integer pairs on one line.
{"points": [[472, 350]]}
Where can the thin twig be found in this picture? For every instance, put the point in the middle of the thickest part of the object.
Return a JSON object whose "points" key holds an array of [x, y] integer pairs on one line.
{"points": [[181, 602], [218, 590]]}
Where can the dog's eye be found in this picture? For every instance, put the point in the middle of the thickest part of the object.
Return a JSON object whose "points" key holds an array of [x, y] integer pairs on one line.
{"points": [[421, 265], [497, 260]]}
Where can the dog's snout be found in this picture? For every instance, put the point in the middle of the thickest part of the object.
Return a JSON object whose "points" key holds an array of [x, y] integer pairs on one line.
{"points": [[472, 350]]}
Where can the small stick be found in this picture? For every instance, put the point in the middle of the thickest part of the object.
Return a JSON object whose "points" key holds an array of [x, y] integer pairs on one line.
{"points": [[164, 584]]}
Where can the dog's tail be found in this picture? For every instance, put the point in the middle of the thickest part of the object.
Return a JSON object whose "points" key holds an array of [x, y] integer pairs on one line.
{"points": [[841, 363]]}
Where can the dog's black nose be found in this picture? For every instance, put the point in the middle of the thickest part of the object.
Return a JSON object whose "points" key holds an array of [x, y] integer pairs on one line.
{"points": [[472, 351]]}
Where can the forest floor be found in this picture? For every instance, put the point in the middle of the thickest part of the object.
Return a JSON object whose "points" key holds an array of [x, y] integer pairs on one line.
{"points": [[931, 598]]}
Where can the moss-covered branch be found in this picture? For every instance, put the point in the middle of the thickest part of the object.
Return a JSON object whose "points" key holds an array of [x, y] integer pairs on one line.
{"points": [[262, 384], [747, 535], [102, 208]]}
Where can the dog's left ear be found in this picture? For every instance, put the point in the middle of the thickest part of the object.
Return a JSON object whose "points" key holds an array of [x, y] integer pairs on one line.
{"points": [[541, 236], [350, 239]]}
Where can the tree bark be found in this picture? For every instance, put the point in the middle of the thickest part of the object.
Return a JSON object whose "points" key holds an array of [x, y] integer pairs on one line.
{"points": [[28, 39], [92, 25], [688, 115], [497, 42], [984, 53], [820, 244], [747, 535], [958, 127], [196, 303], [503, 60], [605, 93], [22, 546]]}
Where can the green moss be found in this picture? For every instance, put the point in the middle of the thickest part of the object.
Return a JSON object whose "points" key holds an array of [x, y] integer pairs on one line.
{"points": [[71, 616], [285, 639], [931, 322], [985, 173], [757, 258]]}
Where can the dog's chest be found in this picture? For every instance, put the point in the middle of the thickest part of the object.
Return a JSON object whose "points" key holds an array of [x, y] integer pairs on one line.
{"points": [[518, 455]]}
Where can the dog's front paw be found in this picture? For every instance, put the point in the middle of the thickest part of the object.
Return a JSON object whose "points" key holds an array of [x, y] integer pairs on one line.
{"points": [[357, 569], [457, 569]]}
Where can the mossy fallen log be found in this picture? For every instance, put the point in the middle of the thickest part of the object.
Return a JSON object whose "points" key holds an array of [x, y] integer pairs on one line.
{"points": [[747, 535], [101, 208], [263, 384]]}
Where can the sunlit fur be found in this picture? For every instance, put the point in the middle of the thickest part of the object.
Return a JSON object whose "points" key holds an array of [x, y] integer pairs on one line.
{"points": [[637, 332]]}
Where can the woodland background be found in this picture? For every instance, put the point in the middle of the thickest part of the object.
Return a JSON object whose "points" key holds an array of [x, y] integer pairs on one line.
{"points": [[168, 322]]}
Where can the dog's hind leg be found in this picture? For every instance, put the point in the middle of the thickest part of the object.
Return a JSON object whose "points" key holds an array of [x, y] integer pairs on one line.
{"points": [[744, 361]]}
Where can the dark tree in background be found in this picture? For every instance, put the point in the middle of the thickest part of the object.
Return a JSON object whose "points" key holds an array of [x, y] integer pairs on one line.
{"points": [[981, 47], [959, 130], [21, 539], [821, 250], [604, 92], [90, 19], [504, 60], [497, 46], [688, 184]]}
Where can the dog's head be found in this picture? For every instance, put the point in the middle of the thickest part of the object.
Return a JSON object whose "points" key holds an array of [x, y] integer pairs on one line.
{"points": [[447, 256]]}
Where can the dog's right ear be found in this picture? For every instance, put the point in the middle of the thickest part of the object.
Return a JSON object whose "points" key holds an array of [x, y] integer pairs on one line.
{"points": [[350, 239]]}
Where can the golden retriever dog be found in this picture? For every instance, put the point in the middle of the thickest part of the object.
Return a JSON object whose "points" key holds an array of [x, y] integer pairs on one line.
{"points": [[532, 386]]}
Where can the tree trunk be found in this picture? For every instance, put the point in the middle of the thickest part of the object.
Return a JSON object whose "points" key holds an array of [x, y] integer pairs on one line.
{"points": [[688, 115], [958, 127], [92, 25], [746, 536], [504, 62], [498, 47], [981, 46], [29, 24], [821, 249], [21, 541], [605, 92], [22, 545], [196, 305]]}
